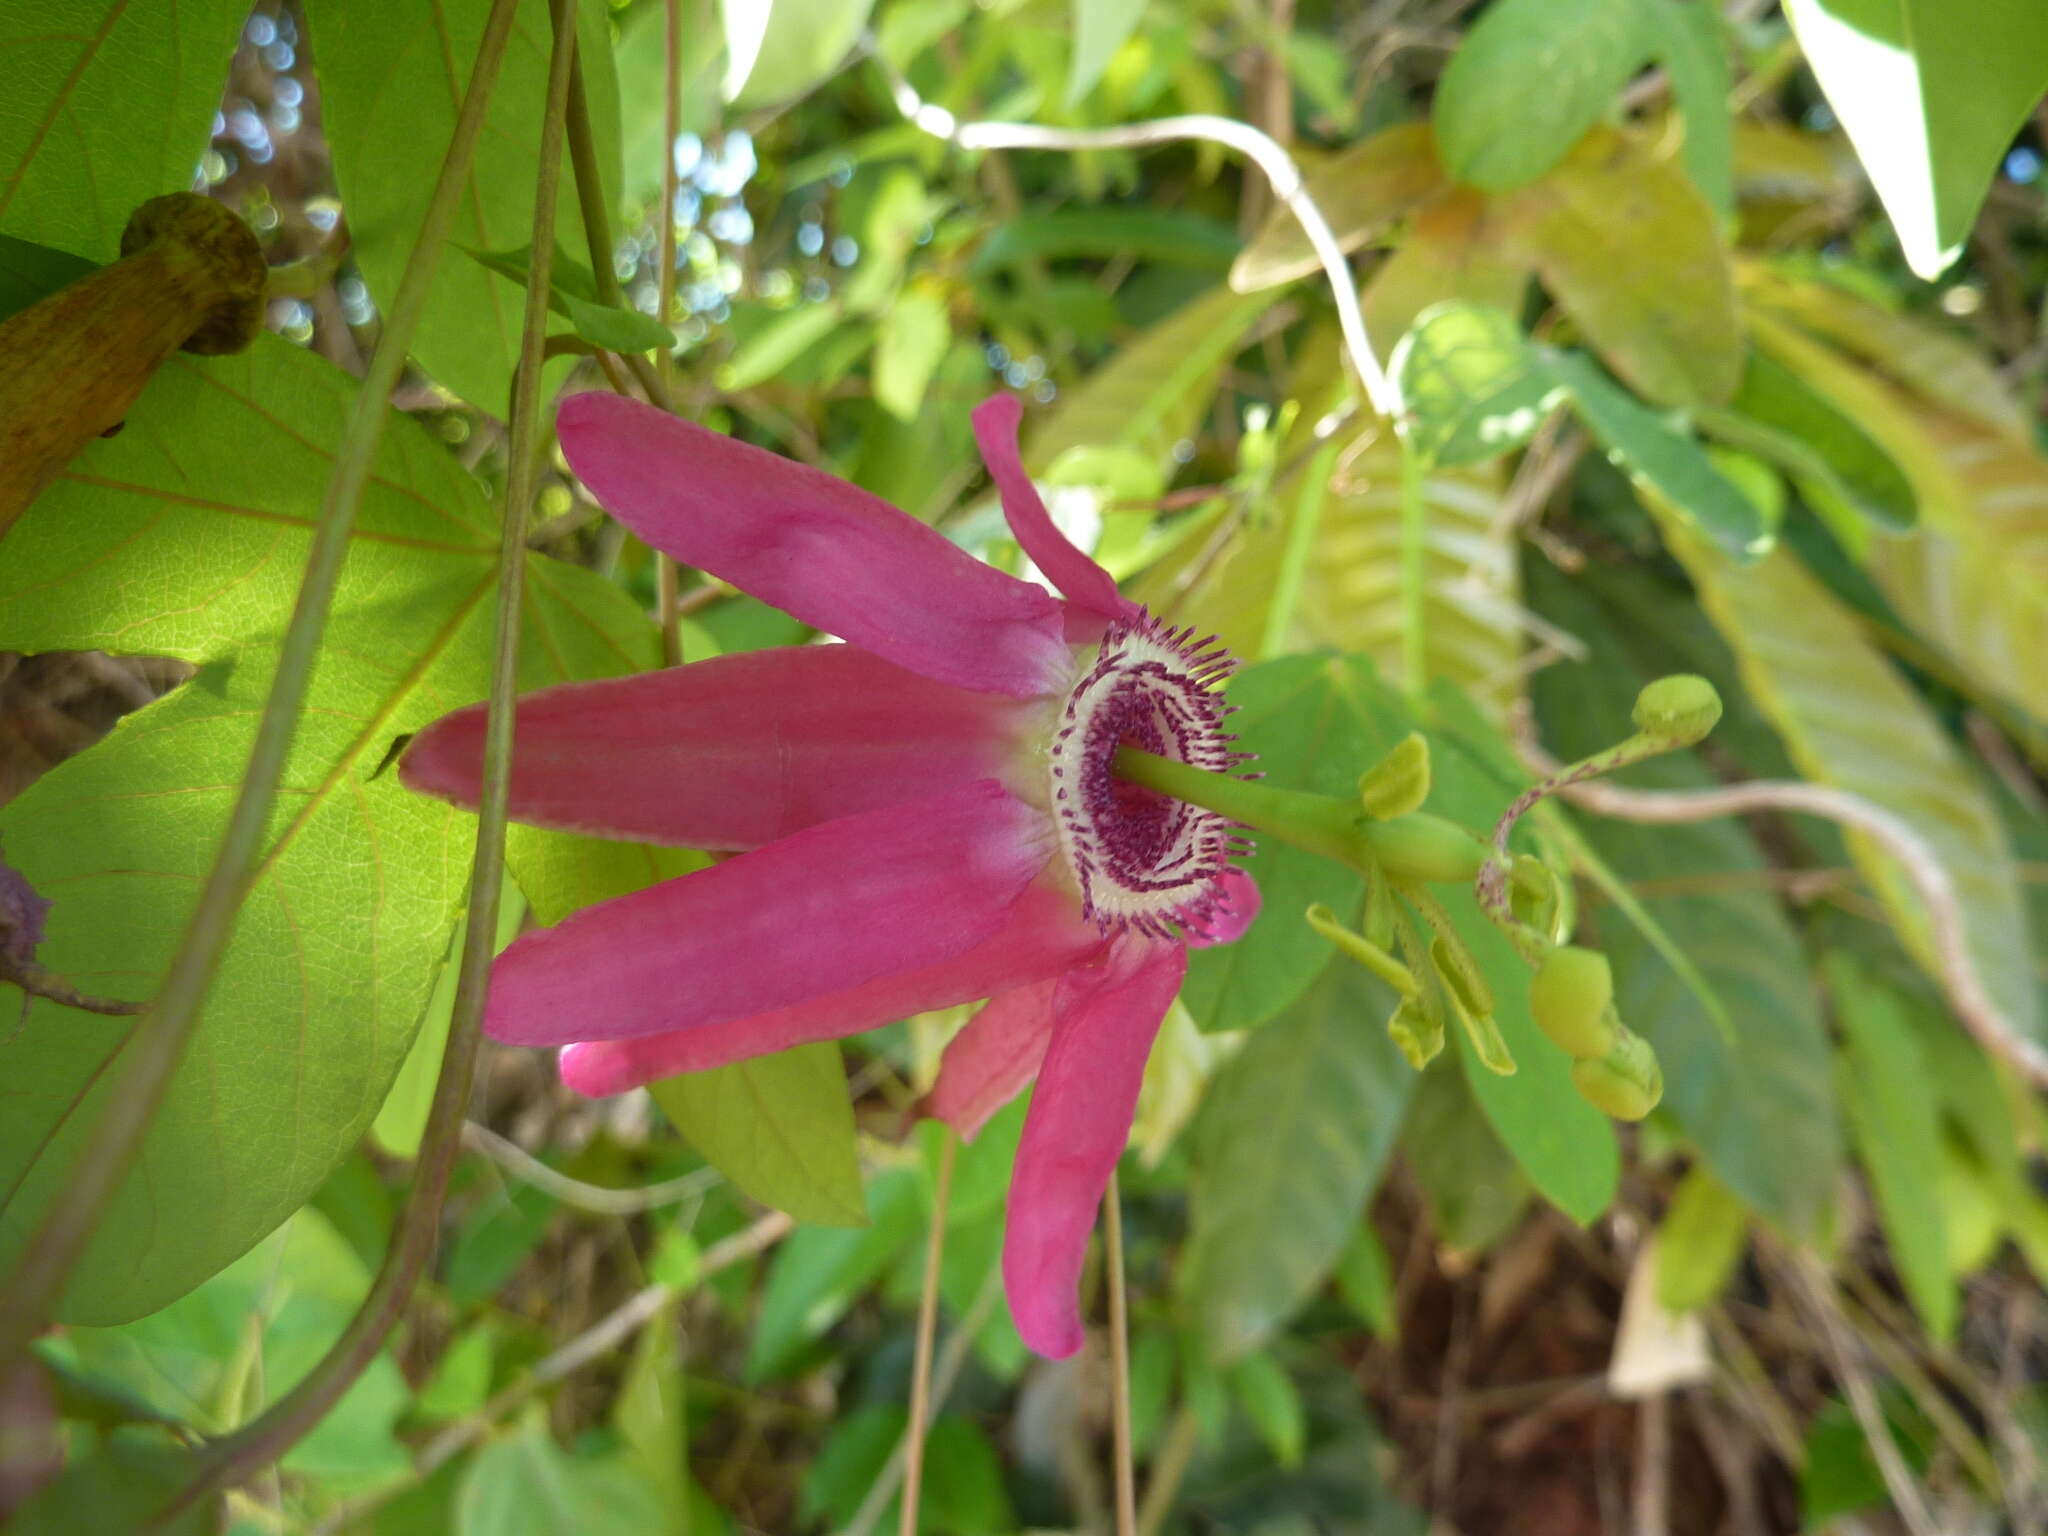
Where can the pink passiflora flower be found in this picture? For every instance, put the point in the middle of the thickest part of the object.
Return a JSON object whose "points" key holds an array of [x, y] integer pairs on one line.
{"points": [[924, 816]]}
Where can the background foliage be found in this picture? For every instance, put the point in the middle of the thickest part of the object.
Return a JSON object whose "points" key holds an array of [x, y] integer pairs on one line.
{"points": [[1720, 331]]}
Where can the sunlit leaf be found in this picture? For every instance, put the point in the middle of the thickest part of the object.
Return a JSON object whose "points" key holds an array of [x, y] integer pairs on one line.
{"points": [[1472, 387], [778, 49], [1685, 37], [1450, 253], [29, 272], [391, 80], [1529, 79], [1292, 1140], [526, 1485], [909, 345], [1360, 192], [1699, 1243], [1633, 252], [1931, 93], [108, 104], [184, 536], [1100, 27], [1849, 720]]}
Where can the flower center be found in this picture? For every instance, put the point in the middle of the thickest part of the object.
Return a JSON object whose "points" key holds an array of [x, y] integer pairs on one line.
{"points": [[1144, 860]]}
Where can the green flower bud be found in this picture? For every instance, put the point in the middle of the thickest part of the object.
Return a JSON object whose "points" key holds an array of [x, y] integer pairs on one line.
{"points": [[1418, 1032], [1535, 894], [1399, 782], [1679, 709], [1420, 847], [1625, 1083], [1368, 954], [1572, 997]]}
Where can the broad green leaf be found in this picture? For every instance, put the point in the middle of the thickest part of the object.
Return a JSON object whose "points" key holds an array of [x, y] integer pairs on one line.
{"points": [[1450, 252], [1931, 93], [1100, 27], [1659, 457], [1633, 252], [1841, 472], [1171, 235], [1471, 385], [29, 272], [1898, 1135], [1366, 1282], [776, 50], [119, 1486], [1472, 1185], [1849, 720], [108, 104], [1153, 392], [564, 872], [1747, 1073], [1291, 1142], [184, 536], [817, 1272], [780, 1127], [1272, 1403], [1685, 37], [214, 1357], [1841, 1476], [526, 1485], [1361, 193], [1529, 79], [771, 349], [1699, 1242], [1294, 714], [392, 75], [652, 1418], [911, 342]]}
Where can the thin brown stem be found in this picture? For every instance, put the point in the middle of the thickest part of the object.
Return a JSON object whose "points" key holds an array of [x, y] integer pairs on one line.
{"points": [[1119, 1360], [927, 1333]]}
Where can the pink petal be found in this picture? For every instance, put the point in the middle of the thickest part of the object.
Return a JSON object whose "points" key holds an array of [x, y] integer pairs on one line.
{"points": [[1080, 1118], [991, 1060], [729, 753], [819, 548], [1236, 905], [1085, 583], [1043, 935], [822, 910]]}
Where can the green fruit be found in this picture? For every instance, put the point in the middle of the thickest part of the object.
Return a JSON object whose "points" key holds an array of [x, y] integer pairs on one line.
{"points": [[1679, 709], [1399, 782], [1625, 1083], [1572, 997], [1425, 848]]}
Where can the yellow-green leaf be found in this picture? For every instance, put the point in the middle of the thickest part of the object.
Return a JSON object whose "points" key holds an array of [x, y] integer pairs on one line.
{"points": [[1361, 192]]}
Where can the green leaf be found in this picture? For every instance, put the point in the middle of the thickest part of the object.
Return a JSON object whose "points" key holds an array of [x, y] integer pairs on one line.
{"points": [[1931, 93], [773, 347], [525, 1485], [1472, 387], [1685, 38], [1747, 1072], [1292, 1139], [1658, 456], [777, 50], [1366, 1282], [818, 1271], [1272, 1404], [1295, 715], [213, 1357], [184, 536], [1473, 1188], [1361, 193], [1898, 1135], [1153, 391], [1848, 719], [1170, 235], [1450, 250], [120, 1486], [29, 272], [1634, 254], [1699, 1242], [642, 62], [780, 1127], [391, 80], [914, 335], [1840, 1475], [108, 104], [1849, 463], [1100, 28], [1529, 79]]}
